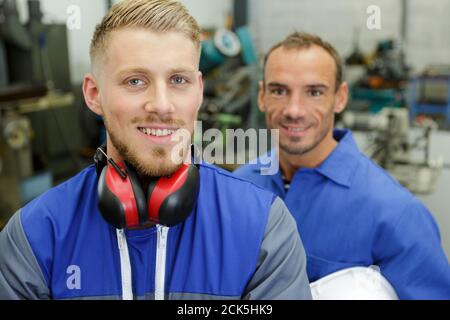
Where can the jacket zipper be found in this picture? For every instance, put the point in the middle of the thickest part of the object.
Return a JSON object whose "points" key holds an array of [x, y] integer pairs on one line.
{"points": [[125, 266], [160, 272]]}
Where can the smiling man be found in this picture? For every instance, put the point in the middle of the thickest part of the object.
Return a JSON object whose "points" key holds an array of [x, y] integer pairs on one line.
{"points": [[151, 94], [349, 211], [302, 78], [146, 84]]}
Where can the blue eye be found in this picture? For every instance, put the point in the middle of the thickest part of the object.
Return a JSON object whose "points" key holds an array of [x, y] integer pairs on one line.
{"points": [[178, 80], [135, 82]]}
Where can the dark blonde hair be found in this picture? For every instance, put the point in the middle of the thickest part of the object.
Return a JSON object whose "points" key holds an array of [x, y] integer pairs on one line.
{"points": [[303, 40], [154, 15]]}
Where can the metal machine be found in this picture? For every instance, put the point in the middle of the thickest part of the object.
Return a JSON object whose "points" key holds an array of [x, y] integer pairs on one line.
{"points": [[382, 77], [34, 86], [401, 150], [16, 161], [228, 64]]}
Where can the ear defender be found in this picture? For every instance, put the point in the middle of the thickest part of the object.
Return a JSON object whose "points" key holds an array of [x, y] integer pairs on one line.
{"points": [[122, 202], [171, 199]]}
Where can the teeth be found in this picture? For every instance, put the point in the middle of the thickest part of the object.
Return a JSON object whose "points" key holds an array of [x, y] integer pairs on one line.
{"points": [[296, 129], [157, 132]]}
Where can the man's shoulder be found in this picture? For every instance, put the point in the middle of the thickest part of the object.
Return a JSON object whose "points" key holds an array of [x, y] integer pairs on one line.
{"points": [[233, 186], [247, 171], [258, 169], [380, 189], [63, 199], [376, 177], [232, 178]]}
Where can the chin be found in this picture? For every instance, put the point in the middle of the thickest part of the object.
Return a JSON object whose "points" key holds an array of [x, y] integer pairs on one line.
{"points": [[295, 148], [157, 168]]}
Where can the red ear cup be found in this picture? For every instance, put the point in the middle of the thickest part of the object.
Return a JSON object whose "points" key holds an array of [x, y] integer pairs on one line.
{"points": [[117, 198], [172, 199]]}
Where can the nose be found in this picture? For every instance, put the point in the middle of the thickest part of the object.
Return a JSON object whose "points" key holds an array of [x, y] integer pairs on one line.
{"points": [[295, 107], [159, 100]]}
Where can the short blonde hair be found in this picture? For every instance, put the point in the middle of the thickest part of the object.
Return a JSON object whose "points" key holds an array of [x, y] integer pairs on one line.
{"points": [[154, 15]]}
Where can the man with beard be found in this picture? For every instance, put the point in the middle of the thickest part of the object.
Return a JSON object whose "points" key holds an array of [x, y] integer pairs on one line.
{"points": [[349, 211], [146, 85]]}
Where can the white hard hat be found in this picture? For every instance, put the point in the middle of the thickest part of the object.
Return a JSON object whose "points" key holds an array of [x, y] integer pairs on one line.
{"points": [[356, 283]]}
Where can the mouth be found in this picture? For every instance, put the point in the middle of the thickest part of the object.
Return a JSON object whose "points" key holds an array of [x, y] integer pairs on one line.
{"points": [[157, 132], [296, 131]]}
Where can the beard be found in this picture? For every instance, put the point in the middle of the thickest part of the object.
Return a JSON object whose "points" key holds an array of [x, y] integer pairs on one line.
{"points": [[292, 148], [155, 163], [293, 145]]}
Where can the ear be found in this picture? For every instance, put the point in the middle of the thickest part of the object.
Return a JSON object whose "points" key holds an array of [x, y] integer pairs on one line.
{"points": [[261, 93], [200, 84], [341, 98], [91, 94]]}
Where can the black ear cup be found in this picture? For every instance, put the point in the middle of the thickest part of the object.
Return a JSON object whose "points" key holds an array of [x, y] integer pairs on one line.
{"points": [[100, 159], [116, 199], [172, 199]]}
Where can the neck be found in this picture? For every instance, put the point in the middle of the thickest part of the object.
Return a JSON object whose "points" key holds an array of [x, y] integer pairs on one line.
{"points": [[112, 152], [290, 163]]}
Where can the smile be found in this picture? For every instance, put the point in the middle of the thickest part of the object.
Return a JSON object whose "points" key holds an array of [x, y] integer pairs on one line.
{"points": [[290, 129], [157, 132], [296, 131]]}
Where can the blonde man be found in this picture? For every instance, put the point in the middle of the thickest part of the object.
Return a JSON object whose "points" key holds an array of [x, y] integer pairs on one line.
{"points": [[146, 85]]}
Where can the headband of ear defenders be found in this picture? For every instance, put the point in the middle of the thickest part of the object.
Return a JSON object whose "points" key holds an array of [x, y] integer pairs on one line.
{"points": [[124, 204]]}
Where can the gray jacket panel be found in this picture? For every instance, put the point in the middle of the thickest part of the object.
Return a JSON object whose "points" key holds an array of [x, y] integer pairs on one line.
{"points": [[281, 271], [20, 274]]}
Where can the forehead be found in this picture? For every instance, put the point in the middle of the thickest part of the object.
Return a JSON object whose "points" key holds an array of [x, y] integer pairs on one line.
{"points": [[151, 50], [300, 66]]}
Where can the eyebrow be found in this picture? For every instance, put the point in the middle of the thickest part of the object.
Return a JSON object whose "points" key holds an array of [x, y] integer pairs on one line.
{"points": [[276, 84], [131, 70], [314, 86], [146, 71], [318, 86], [182, 70]]}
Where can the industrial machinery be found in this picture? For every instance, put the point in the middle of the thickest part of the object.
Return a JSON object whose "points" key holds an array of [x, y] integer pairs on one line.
{"points": [[15, 157], [34, 87], [383, 79], [228, 64], [430, 95], [401, 150]]}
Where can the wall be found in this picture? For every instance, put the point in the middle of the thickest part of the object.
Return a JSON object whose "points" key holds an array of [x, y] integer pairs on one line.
{"points": [[208, 14], [336, 21], [91, 13], [428, 32]]}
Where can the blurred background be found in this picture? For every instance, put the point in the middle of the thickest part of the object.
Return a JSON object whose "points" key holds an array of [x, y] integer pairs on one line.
{"points": [[397, 62]]}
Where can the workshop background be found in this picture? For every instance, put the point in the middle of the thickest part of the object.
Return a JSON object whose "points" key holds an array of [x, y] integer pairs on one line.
{"points": [[397, 61]]}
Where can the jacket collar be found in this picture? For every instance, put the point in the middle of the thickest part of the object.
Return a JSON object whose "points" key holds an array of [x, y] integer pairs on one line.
{"points": [[340, 165]]}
